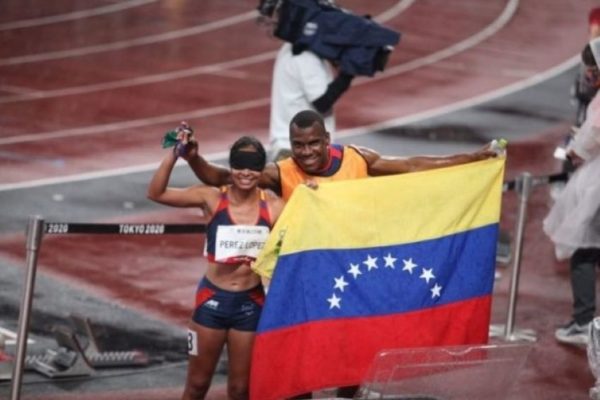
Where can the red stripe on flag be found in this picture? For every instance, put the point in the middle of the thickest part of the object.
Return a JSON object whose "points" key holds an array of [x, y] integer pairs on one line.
{"points": [[333, 353]]}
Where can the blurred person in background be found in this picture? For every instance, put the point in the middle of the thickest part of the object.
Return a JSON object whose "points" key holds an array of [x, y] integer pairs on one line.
{"points": [[573, 223], [586, 86], [301, 80], [583, 91]]}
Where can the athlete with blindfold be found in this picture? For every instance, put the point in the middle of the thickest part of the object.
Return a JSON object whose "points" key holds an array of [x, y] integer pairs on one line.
{"points": [[229, 298]]}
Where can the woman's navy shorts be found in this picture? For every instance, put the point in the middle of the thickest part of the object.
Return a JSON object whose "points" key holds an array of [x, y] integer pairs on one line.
{"points": [[222, 309]]}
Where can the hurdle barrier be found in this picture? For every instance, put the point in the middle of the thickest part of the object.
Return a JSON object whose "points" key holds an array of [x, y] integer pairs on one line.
{"points": [[72, 358]]}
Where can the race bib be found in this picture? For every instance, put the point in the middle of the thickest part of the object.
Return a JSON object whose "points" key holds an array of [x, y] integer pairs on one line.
{"points": [[235, 241], [192, 343]]}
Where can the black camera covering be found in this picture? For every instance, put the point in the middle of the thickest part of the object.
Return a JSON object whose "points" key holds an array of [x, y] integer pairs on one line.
{"points": [[357, 44]]}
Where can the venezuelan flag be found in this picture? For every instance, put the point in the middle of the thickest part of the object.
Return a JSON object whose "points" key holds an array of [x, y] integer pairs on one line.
{"points": [[379, 263]]}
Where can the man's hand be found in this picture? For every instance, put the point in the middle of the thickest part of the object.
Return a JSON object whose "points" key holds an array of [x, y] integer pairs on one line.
{"points": [[312, 184], [188, 149], [486, 152], [495, 148]]}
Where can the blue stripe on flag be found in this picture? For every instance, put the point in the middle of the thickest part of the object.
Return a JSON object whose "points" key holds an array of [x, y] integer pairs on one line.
{"points": [[327, 284]]}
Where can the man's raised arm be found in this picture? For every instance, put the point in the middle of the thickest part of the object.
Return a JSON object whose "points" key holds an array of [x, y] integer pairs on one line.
{"points": [[379, 165], [216, 175], [209, 173]]}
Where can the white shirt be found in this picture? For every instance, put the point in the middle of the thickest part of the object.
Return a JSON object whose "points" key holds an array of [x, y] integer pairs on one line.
{"points": [[586, 142], [574, 220], [297, 81]]}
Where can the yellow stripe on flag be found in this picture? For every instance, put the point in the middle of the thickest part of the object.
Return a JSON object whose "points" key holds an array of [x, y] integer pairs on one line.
{"points": [[386, 210]]}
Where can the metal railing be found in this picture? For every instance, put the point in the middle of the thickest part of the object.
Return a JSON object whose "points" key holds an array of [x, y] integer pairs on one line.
{"points": [[524, 186]]}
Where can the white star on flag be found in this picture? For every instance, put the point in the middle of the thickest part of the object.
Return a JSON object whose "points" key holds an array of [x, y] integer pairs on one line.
{"points": [[354, 270], [427, 274], [409, 265], [436, 291], [334, 301], [370, 262], [340, 283], [390, 261]]}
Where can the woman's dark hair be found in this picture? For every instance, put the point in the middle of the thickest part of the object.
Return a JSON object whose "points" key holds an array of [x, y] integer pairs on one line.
{"points": [[246, 141]]}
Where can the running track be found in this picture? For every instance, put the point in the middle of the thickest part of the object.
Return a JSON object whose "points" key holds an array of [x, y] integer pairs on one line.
{"points": [[89, 92], [95, 93]]}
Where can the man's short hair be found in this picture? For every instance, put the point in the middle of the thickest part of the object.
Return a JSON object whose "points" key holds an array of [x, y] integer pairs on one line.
{"points": [[307, 118]]}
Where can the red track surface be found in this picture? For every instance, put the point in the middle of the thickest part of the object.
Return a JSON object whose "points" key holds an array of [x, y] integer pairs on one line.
{"points": [[539, 35], [95, 130]]}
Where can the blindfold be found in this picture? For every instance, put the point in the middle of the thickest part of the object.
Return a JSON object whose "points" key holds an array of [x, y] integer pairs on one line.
{"points": [[247, 160]]}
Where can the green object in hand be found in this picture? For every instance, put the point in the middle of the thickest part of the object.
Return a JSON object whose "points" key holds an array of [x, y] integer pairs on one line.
{"points": [[502, 143], [170, 139]]}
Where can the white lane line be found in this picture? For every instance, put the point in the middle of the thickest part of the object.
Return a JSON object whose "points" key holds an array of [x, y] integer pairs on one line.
{"points": [[8, 333], [393, 71], [18, 89], [101, 174], [467, 103], [11, 337], [393, 11], [179, 74], [506, 15], [125, 44], [143, 80], [28, 23], [138, 123], [357, 131]]}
